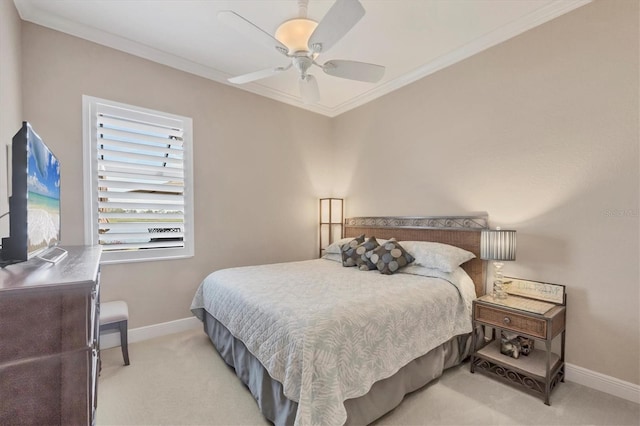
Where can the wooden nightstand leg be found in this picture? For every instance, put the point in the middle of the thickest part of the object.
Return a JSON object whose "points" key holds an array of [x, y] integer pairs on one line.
{"points": [[562, 354], [474, 330], [547, 386]]}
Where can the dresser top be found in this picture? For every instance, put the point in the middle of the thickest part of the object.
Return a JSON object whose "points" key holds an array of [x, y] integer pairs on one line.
{"points": [[79, 267]]}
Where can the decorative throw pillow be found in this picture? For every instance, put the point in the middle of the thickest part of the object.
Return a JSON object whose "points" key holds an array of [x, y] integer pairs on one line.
{"points": [[349, 250], [364, 252], [335, 247], [437, 255], [390, 257]]}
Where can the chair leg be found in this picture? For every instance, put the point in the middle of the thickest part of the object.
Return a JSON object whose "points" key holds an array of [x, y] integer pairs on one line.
{"points": [[124, 341]]}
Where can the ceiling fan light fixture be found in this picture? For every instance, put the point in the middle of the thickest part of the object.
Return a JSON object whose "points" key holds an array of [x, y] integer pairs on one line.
{"points": [[295, 34], [302, 40]]}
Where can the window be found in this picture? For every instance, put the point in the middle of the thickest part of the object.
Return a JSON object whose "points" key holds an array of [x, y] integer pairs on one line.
{"points": [[138, 182]]}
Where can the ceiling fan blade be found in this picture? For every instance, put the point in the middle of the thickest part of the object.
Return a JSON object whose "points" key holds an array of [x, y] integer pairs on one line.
{"points": [[342, 16], [248, 29], [353, 70], [257, 75], [309, 89]]}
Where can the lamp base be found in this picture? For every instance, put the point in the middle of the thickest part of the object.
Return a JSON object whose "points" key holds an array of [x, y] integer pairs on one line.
{"points": [[499, 290]]}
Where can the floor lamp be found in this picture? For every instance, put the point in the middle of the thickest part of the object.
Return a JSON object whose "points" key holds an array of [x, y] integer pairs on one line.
{"points": [[331, 221]]}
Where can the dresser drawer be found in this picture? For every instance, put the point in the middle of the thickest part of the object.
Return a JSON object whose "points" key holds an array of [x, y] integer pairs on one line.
{"points": [[511, 321], [43, 322]]}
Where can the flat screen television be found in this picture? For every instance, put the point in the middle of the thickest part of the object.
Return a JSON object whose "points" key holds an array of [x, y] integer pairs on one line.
{"points": [[34, 204]]}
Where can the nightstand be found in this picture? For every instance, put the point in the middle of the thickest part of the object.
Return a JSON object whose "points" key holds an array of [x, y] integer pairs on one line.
{"points": [[542, 369]]}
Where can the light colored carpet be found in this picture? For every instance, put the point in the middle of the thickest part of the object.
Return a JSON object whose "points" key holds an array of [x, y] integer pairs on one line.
{"points": [[181, 380]]}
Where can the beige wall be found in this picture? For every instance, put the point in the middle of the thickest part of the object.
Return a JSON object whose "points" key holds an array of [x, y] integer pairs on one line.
{"points": [[258, 165], [10, 94], [542, 133]]}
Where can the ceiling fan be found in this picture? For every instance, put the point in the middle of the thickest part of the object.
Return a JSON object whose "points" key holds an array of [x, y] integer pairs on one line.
{"points": [[302, 40]]}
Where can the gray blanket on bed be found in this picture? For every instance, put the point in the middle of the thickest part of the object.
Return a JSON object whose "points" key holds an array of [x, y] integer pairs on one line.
{"points": [[326, 332]]}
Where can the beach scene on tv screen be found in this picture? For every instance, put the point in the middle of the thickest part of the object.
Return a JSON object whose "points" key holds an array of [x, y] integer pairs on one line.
{"points": [[43, 197]]}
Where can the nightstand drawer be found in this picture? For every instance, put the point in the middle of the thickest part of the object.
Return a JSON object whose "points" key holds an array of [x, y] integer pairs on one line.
{"points": [[511, 321]]}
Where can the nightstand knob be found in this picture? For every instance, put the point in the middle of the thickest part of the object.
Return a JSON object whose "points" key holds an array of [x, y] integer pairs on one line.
{"points": [[506, 320]]}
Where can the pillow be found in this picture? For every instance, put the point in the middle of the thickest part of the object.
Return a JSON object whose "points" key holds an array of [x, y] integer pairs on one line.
{"points": [[437, 255], [364, 252], [334, 247], [390, 257], [349, 249], [459, 278], [414, 269], [336, 257]]}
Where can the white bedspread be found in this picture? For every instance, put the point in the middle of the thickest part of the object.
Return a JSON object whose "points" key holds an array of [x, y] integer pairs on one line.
{"points": [[327, 332]]}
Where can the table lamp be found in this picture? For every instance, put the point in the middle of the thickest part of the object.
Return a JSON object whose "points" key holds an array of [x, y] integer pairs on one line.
{"points": [[498, 245]]}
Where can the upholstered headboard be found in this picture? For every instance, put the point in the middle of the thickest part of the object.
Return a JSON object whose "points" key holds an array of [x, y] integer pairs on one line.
{"points": [[459, 231]]}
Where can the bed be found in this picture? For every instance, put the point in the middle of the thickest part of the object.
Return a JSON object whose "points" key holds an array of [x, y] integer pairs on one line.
{"points": [[319, 343]]}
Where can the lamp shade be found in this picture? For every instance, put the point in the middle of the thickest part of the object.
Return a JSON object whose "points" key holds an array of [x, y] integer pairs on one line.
{"points": [[498, 244], [295, 34], [331, 210]]}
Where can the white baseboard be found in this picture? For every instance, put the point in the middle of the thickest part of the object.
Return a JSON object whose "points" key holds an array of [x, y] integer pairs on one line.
{"points": [[575, 374], [111, 339], [603, 383]]}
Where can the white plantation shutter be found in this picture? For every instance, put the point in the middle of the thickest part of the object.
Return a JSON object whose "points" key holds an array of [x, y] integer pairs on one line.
{"points": [[138, 180]]}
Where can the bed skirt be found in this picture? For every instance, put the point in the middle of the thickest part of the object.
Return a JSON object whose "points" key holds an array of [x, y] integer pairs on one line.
{"points": [[383, 397]]}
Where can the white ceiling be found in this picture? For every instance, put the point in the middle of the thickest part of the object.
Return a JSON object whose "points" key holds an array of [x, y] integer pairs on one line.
{"points": [[411, 38]]}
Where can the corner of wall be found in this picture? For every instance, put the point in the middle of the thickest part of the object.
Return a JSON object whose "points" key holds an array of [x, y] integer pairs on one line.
{"points": [[10, 93]]}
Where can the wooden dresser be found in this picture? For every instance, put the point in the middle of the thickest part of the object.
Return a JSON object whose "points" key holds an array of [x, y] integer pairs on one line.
{"points": [[49, 339]]}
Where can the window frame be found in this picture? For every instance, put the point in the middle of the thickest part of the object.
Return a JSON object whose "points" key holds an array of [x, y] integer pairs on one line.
{"points": [[90, 144]]}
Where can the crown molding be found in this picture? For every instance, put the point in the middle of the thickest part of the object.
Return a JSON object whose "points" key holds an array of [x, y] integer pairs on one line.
{"points": [[540, 16], [28, 13]]}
